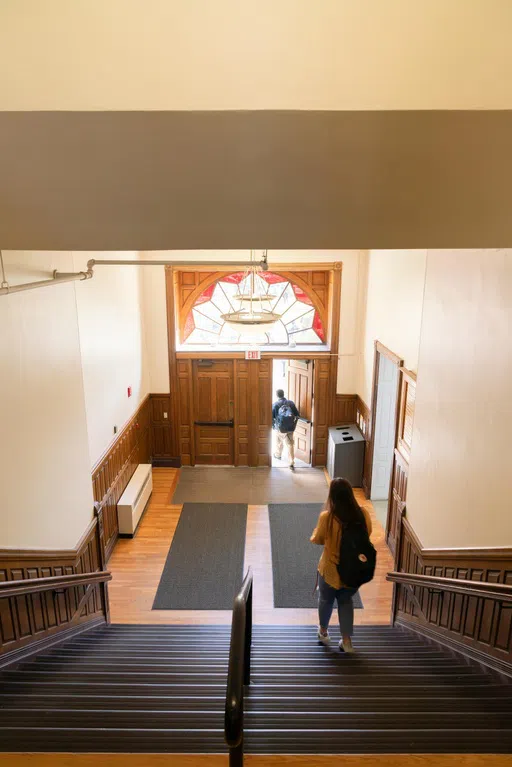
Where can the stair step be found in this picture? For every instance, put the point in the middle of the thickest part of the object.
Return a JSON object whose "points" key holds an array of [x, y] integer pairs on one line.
{"points": [[276, 741], [261, 720], [289, 688], [329, 662], [485, 700], [350, 674], [258, 656]]}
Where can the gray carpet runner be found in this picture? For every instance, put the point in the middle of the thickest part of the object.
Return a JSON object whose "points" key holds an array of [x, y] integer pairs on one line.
{"points": [[294, 558], [204, 567]]}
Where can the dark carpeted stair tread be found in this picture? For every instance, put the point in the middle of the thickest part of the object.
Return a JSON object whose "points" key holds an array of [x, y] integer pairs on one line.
{"points": [[162, 689]]}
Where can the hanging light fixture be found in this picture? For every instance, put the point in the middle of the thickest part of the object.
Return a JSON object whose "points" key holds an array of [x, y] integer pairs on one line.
{"points": [[254, 317]]}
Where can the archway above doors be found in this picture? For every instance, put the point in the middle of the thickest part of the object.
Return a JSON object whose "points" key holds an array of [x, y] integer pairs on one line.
{"points": [[301, 314], [310, 285]]}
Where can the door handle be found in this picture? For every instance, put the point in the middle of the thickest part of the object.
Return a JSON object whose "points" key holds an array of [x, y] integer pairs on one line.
{"points": [[230, 423]]}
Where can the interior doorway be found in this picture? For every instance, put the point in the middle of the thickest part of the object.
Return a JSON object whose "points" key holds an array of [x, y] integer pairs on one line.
{"points": [[385, 409], [295, 378]]}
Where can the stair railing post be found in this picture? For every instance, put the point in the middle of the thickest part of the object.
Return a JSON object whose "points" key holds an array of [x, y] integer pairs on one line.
{"points": [[248, 639], [236, 755]]}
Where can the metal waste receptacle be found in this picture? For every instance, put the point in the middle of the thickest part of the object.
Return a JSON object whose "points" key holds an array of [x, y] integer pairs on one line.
{"points": [[345, 453]]}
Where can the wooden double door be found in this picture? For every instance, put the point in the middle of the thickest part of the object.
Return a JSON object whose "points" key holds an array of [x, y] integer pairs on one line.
{"points": [[223, 410], [231, 412], [299, 374]]}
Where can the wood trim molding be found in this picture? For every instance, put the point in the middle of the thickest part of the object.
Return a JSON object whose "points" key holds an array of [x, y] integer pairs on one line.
{"points": [[472, 554], [227, 355], [388, 353]]}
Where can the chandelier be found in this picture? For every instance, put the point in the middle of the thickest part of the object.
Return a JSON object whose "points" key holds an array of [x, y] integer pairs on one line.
{"points": [[254, 316]]}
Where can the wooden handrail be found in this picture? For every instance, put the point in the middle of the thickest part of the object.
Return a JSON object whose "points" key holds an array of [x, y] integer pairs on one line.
{"points": [[239, 671], [498, 591], [52, 583]]}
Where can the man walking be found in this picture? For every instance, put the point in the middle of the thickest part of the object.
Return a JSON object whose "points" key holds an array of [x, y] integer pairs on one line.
{"points": [[284, 420]]}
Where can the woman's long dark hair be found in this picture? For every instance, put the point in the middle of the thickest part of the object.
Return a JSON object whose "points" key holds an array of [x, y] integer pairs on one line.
{"points": [[341, 503]]}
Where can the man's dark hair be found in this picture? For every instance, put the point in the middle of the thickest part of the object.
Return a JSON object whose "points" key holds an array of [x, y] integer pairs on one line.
{"points": [[280, 394]]}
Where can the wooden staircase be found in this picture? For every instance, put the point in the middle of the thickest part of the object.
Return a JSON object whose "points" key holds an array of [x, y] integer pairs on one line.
{"points": [[142, 689]]}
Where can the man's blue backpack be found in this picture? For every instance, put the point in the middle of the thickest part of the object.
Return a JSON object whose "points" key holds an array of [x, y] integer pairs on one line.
{"points": [[286, 421]]}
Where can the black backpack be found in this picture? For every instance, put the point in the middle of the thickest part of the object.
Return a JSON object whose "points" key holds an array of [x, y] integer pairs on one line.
{"points": [[357, 556], [285, 419]]}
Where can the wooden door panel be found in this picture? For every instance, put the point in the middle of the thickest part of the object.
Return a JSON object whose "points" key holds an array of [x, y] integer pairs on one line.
{"points": [[400, 471], [300, 390], [263, 426], [222, 398], [300, 386], [242, 413], [213, 404], [204, 405], [303, 441], [214, 445], [321, 412]]}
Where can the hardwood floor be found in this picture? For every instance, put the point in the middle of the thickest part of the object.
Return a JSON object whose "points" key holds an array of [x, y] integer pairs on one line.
{"points": [[136, 566], [221, 760]]}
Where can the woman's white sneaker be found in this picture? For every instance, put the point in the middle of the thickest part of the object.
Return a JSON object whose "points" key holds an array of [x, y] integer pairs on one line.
{"points": [[323, 638], [347, 646]]}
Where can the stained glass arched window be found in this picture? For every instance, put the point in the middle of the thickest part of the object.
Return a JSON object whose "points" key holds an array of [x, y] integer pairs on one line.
{"points": [[300, 322]]}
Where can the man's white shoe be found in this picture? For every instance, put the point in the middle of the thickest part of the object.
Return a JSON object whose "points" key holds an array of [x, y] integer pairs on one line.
{"points": [[323, 638]]}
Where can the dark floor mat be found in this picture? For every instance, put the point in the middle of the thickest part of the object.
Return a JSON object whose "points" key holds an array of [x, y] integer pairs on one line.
{"points": [[199, 484], [204, 566], [294, 558]]}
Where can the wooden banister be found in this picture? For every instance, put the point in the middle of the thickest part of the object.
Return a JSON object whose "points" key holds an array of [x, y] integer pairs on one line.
{"points": [[53, 583], [484, 590]]}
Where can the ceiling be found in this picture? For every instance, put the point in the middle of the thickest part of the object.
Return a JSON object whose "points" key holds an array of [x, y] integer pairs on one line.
{"points": [[294, 179]]}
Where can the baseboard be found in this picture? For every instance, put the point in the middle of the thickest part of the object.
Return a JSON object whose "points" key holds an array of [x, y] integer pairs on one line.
{"points": [[22, 653], [171, 463], [504, 667]]}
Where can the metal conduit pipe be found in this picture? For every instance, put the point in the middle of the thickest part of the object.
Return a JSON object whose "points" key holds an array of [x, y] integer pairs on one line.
{"points": [[56, 280], [59, 277], [231, 264]]}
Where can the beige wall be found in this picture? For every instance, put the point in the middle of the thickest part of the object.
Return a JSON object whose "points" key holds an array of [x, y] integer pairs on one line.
{"points": [[45, 475], [394, 301], [460, 482], [113, 346], [353, 275], [227, 54]]}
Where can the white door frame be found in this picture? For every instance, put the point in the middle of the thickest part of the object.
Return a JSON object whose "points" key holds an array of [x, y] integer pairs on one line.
{"points": [[380, 349]]}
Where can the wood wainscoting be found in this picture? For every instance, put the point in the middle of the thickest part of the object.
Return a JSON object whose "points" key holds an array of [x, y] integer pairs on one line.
{"points": [[115, 468], [34, 618], [161, 430], [145, 438], [481, 628], [345, 409]]}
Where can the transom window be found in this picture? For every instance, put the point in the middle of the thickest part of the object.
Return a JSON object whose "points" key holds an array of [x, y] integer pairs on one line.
{"points": [[299, 324]]}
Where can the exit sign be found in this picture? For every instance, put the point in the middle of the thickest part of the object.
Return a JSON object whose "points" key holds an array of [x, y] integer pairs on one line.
{"points": [[253, 354]]}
